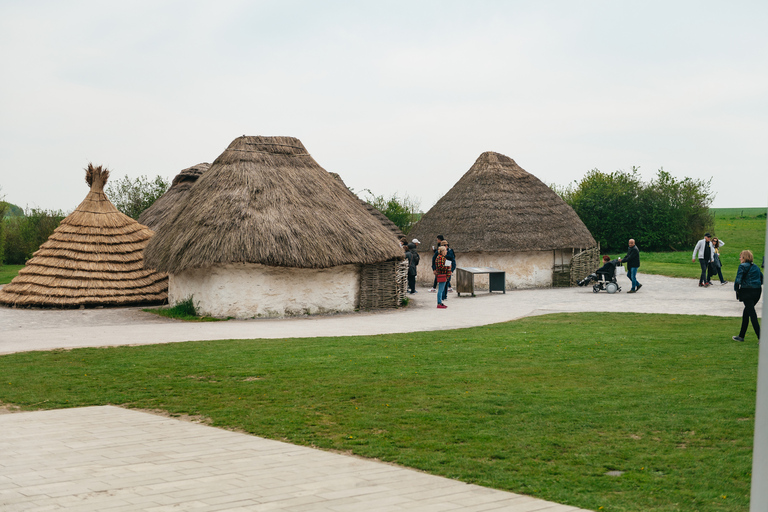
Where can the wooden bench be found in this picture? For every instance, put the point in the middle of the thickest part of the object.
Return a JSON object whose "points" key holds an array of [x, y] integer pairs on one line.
{"points": [[465, 279]]}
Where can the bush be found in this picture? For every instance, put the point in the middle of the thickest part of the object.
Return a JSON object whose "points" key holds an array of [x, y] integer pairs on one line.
{"points": [[665, 214], [132, 197], [24, 235], [403, 212]]}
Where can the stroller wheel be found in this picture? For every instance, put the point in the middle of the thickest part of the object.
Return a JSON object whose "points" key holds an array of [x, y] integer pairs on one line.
{"points": [[596, 288], [612, 287]]}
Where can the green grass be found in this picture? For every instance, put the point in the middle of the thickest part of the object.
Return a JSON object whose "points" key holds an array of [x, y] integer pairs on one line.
{"points": [[737, 231], [183, 310], [8, 272], [544, 406]]}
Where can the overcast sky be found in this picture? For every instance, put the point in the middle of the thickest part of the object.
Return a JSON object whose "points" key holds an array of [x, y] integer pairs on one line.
{"points": [[396, 97]]}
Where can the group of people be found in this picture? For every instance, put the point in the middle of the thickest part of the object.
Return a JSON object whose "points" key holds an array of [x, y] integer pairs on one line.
{"points": [[443, 265], [748, 283], [707, 251]]}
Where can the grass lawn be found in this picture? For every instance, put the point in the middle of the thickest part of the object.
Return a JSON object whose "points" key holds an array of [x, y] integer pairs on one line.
{"points": [[8, 272], [543, 406], [738, 231]]}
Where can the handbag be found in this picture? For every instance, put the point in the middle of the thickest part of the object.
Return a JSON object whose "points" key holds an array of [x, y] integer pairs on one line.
{"points": [[620, 270], [441, 278]]}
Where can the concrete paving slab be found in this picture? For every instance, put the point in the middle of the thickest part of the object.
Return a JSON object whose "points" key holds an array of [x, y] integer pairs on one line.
{"points": [[81, 459]]}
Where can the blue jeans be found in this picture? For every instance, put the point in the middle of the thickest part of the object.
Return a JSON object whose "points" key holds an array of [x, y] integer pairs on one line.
{"points": [[632, 276], [441, 287]]}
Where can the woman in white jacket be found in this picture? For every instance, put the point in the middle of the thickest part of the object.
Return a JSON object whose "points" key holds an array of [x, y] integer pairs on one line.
{"points": [[716, 265]]}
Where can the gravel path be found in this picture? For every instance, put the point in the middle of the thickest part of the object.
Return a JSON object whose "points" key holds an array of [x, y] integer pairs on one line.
{"points": [[35, 329]]}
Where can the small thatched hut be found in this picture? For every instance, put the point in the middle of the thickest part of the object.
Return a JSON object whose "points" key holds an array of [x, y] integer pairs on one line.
{"points": [[498, 215], [155, 214], [266, 231], [94, 258]]}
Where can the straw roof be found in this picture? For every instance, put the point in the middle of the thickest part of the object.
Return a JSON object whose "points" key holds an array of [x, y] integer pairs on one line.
{"points": [[265, 200], [498, 206], [94, 258], [156, 214], [385, 221]]}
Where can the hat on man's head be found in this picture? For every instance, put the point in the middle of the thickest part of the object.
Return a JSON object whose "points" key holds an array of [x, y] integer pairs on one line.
{"points": [[707, 235], [415, 241]]}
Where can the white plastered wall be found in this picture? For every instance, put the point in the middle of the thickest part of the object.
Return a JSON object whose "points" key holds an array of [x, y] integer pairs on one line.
{"points": [[244, 290], [529, 269]]}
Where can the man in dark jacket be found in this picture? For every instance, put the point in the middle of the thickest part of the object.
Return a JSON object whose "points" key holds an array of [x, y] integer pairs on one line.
{"points": [[632, 259], [413, 262]]}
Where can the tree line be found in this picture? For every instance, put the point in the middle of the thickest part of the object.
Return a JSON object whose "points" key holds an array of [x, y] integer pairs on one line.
{"points": [[665, 214]]}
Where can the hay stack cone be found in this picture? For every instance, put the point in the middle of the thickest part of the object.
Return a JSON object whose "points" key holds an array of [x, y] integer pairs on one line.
{"points": [[153, 216], [94, 258]]}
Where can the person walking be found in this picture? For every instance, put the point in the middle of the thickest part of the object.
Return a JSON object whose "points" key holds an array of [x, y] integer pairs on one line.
{"points": [[413, 262], [748, 286], [632, 259], [703, 251], [442, 272], [717, 264]]}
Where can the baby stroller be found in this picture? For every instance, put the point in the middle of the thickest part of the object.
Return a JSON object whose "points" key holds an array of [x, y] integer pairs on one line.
{"points": [[603, 278]]}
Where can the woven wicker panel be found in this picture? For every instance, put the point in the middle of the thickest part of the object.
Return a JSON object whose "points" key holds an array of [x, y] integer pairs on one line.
{"points": [[383, 285], [584, 263]]}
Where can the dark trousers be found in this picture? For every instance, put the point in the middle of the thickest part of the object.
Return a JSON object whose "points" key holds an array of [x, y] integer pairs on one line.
{"points": [[704, 271], [412, 282], [711, 272], [749, 312]]}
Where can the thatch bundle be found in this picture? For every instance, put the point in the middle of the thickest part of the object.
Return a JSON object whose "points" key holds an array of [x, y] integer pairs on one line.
{"points": [[265, 200], [498, 206], [94, 258], [153, 216], [391, 226]]}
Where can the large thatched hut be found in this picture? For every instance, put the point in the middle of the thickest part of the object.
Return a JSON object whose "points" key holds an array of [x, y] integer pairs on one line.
{"points": [[94, 258], [266, 231], [498, 215], [155, 214]]}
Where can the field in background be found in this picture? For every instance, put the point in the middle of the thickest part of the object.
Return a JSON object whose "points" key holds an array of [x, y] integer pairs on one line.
{"points": [[8, 272], [739, 228]]}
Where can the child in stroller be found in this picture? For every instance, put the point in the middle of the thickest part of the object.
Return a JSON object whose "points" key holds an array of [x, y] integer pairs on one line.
{"points": [[603, 278]]}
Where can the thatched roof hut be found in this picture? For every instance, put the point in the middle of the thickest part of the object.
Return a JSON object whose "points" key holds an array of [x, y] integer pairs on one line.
{"points": [[94, 258], [266, 210], [498, 208], [157, 213], [385, 221]]}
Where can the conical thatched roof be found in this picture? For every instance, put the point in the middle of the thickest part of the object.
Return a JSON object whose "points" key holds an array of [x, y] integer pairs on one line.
{"points": [[391, 226], [94, 258], [497, 206], [265, 200], [158, 212]]}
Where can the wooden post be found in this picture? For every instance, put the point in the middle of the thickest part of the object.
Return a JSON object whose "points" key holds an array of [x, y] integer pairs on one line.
{"points": [[759, 498]]}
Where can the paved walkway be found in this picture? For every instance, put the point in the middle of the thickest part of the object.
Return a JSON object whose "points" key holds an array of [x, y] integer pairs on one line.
{"points": [[108, 459], [111, 459]]}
